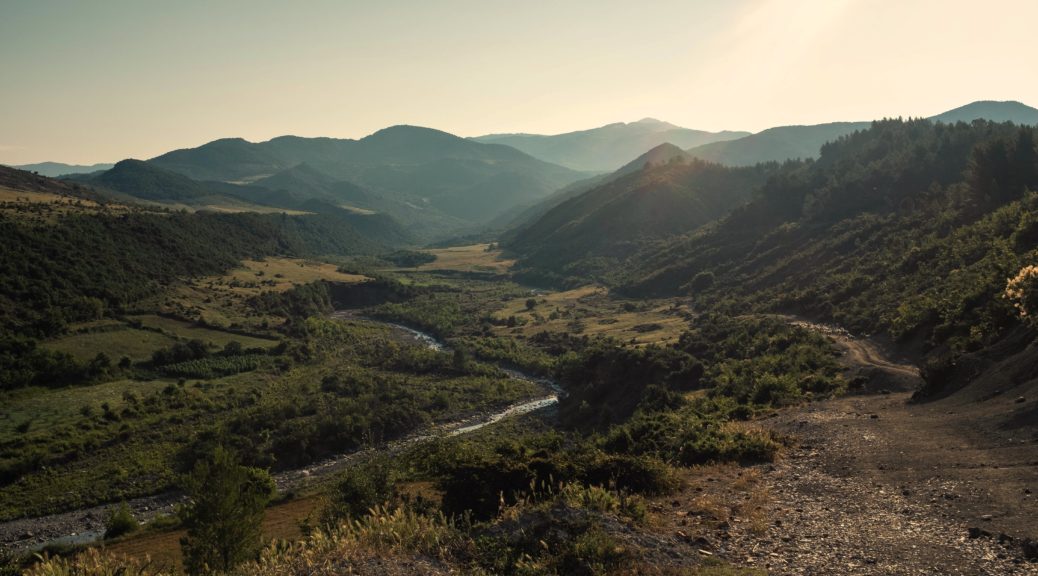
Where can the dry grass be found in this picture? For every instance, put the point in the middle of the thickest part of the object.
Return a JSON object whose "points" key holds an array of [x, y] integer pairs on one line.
{"points": [[280, 522], [223, 300], [48, 205], [591, 310], [474, 258]]}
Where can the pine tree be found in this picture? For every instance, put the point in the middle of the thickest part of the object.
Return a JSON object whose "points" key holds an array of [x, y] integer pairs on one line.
{"points": [[224, 517]]}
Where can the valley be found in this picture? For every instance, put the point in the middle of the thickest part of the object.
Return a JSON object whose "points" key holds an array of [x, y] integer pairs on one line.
{"points": [[687, 365]]}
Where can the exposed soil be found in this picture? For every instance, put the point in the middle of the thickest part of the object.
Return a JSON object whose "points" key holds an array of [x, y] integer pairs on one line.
{"points": [[879, 485]]}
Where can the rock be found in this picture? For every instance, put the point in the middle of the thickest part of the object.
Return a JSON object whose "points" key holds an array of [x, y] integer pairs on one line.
{"points": [[1020, 400], [986, 517], [1030, 549], [974, 532]]}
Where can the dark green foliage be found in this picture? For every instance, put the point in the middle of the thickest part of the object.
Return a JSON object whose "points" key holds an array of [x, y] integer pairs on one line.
{"points": [[120, 521], [296, 304], [909, 228], [409, 258], [479, 481], [225, 512], [588, 235], [370, 484]]}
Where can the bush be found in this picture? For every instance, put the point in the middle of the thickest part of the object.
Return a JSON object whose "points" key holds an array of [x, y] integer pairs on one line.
{"points": [[120, 521]]}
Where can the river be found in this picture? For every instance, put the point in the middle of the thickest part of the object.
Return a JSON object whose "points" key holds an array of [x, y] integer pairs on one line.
{"points": [[87, 525]]}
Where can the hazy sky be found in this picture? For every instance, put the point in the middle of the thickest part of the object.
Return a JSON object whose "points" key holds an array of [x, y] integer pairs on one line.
{"points": [[92, 81]]}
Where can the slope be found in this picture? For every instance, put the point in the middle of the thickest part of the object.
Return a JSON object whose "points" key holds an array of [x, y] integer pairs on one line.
{"points": [[908, 230], [590, 233]]}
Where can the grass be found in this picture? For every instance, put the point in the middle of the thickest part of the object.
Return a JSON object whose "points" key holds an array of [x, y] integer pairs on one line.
{"points": [[280, 522], [592, 311], [473, 258], [125, 341], [47, 409], [188, 331], [117, 339], [223, 300]]}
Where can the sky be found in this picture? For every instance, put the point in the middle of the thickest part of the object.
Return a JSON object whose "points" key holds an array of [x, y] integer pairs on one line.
{"points": [[103, 80]]}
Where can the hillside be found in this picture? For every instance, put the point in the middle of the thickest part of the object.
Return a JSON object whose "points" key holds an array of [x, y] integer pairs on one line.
{"points": [[64, 270], [995, 111], [430, 170], [909, 230], [775, 144], [606, 148], [790, 142], [589, 233]]}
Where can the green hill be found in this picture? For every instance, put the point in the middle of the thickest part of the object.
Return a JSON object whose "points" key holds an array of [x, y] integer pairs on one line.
{"points": [[606, 148], [791, 142], [994, 111], [775, 144], [588, 234], [908, 229]]}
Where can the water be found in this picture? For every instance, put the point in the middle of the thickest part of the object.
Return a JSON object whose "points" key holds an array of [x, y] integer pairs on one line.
{"points": [[88, 533]]}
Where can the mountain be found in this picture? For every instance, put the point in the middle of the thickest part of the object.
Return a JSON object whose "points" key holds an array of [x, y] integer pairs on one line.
{"points": [[790, 142], [55, 169], [425, 168], [302, 185], [909, 231], [775, 144], [606, 148], [513, 221], [589, 234], [138, 180], [1009, 111]]}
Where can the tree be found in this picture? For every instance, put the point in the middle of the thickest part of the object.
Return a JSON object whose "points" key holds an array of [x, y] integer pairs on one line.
{"points": [[225, 513]]}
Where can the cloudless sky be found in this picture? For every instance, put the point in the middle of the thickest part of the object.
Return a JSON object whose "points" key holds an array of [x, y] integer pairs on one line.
{"points": [[94, 81]]}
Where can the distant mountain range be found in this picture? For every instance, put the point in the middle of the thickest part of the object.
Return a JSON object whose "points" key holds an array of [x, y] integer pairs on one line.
{"points": [[606, 148], [437, 184], [55, 169], [423, 168]]}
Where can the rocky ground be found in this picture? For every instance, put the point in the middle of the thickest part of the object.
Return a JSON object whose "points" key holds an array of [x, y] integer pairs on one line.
{"points": [[874, 485]]}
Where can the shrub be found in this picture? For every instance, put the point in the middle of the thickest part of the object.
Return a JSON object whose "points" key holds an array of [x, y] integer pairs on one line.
{"points": [[120, 521]]}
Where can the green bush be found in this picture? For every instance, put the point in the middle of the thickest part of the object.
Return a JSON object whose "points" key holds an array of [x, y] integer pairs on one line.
{"points": [[120, 521]]}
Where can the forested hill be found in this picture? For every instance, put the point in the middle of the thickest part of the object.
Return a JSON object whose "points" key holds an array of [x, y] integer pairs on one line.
{"points": [[909, 229], [64, 265], [588, 235]]}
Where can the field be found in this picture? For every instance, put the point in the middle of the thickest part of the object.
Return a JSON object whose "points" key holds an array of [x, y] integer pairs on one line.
{"points": [[137, 345], [590, 310], [117, 339], [47, 409], [474, 258], [188, 331], [223, 300]]}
